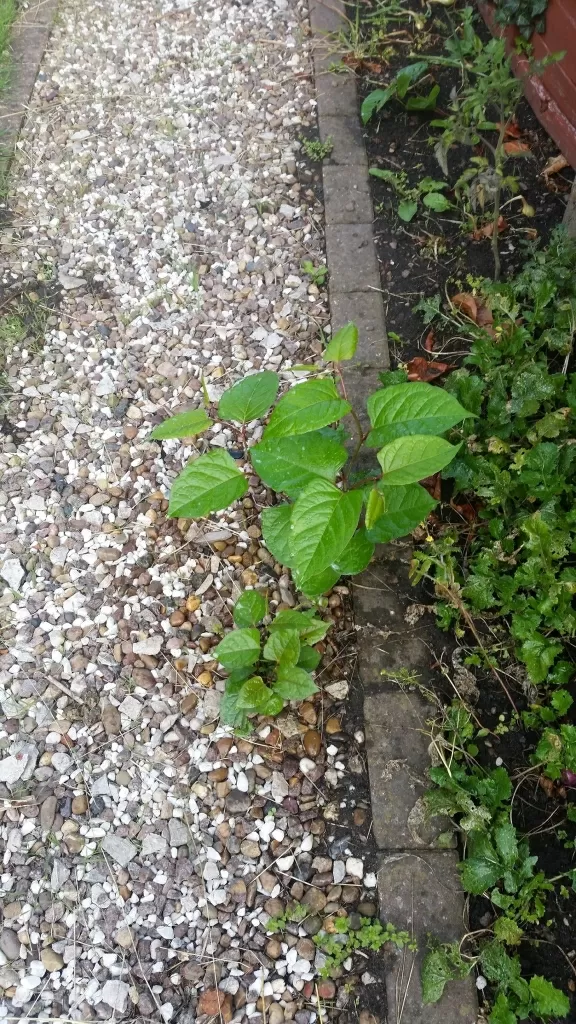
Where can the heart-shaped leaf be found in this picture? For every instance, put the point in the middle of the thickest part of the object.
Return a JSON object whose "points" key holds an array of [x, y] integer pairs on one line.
{"points": [[323, 522], [315, 586], [290, 463], [276, 532], [407, 209], [254, 694], [409, 459], [294, 683], [405, 508], [238, 649], [306, 407], [309, 658], [210, 483], [184, 424], [250, 398], [411, 409], [310, 628], [356, 556], [283, 646], [250, 608], [343, 345]]}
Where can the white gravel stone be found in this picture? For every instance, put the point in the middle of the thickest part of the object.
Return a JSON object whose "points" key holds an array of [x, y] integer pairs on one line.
{"points": [[115, 994], [355, 867]]}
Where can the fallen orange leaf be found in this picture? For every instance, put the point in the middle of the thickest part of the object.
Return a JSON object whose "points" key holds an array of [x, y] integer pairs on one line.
{"points": [[420, 369], [466, 303], [484, 317], [512, 130], [516, 148], [429, 341], [488, 230], [555, 164]]}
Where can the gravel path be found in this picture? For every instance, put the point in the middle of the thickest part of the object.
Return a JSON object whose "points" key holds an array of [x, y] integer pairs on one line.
{"points": [[159, 230]]}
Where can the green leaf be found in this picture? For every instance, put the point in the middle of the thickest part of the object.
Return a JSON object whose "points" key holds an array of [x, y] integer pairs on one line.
{"points": [[481, 869], [506, 842], [250, 608], [230, 713], [427, 102], [548, 1000], [343, 345], [306, 407], [437, 202], [309, 658], [501, 1012], [208, 484], [561, 701], [310, 628], [357, 555], [374, 102], [506, 930], [250, 398], [254, 694], [405, 508], [276, 532], [408, 459], [273, 705], [436, 971], [290, 463], [538, 654], [324, 520], [416, 408], [184, 424], [239, 648], [294, 683], [316, 585], [407, 209], [283, 646], [408, 75], [374, 508]]}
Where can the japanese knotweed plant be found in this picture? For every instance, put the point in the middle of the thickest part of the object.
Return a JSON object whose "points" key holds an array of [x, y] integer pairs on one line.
{"points": [[329, 516]]}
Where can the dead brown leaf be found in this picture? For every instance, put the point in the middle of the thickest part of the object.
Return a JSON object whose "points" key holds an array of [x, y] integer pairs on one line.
{"points": [[421, 369], [466, 303], [554, 165], [429, 341], [512, 130], [516, 148], [488, 229]]}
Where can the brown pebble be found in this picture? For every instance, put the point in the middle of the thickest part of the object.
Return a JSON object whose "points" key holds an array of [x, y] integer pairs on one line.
{"points": [[193, 603], [205, 679], [332, 726], [188, 703], [111, 720], [177, 618], [80, 804], [312, 742], [218, 774]]}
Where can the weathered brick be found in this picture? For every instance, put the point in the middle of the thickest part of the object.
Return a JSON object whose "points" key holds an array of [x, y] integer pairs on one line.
{"points": [[351, 257], [365, 309], [348, 147], [347, 197], [421, 893], [398, 763]]}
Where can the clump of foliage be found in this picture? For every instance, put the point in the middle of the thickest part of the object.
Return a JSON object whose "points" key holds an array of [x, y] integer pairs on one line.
{"points": [[315, 149], [269, 665], [515, 997], [334, 515], [403, 82], [527, 16], [518, 461], [348, 935], [429, 191]]}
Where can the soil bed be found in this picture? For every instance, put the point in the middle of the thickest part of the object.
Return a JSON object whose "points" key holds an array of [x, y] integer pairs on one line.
{"points": [[430, 253], [437, 254]]}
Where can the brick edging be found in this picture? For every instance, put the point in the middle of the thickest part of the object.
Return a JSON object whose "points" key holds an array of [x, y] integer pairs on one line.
{"points": [[418, 880], [28, 41]]}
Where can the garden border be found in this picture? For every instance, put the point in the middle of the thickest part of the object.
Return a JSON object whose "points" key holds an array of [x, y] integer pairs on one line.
{"points": [[28, 42], [418, 880]]}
